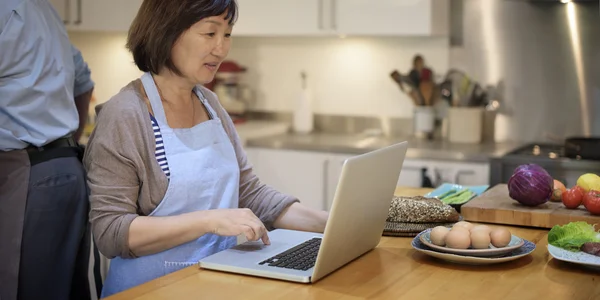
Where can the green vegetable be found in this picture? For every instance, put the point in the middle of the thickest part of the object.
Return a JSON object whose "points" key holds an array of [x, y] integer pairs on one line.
{"points": [[446, 194], [458, 198], [571, 236]]}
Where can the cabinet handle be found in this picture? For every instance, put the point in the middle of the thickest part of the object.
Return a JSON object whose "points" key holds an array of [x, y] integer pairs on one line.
{"points": [[333, 14], [67, 12], [325, 183], [320, 14], [78, 21]]}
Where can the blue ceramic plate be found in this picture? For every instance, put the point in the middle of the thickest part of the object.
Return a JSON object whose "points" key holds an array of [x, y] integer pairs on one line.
{"points": [[515, 243], [578, 257], [522, 251], [445, 187]]}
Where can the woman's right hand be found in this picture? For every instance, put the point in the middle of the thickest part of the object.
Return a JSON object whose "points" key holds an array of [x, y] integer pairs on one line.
{"points": [[233, 222]]}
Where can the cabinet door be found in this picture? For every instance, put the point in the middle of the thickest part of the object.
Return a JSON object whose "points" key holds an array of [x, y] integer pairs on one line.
{"points": [[105, 15], [62, 8], [279, 18], [387, 17], [297, 173], [335, 164], [411, 174]]}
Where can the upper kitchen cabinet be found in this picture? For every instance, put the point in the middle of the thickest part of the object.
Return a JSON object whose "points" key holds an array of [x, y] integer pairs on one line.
{"points": [[390, 17], [97, 15], [62, 8], [342, 17], [280, 18]]}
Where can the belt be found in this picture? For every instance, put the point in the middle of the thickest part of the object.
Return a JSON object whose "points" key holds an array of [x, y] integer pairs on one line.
{"points": [[62, 147]]}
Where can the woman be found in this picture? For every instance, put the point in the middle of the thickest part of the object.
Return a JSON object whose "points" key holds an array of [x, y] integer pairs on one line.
{"points": [[169, 180]]}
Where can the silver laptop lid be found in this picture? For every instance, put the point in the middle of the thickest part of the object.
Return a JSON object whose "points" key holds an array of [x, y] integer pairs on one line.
{"points": [[360, 207]]}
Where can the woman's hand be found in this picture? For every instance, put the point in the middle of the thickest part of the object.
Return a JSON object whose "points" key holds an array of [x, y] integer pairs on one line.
{"points": [[233, 222], [151, 234]]}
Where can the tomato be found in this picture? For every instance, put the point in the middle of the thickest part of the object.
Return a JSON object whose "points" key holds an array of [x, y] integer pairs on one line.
{"points": [[591, 201], [572, 198], [580, 189]]}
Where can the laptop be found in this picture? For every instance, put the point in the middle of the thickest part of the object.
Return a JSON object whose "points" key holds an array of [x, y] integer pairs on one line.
{"points": [[356, 221]]}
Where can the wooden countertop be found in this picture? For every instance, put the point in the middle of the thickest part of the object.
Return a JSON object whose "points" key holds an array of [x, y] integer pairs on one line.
{"points": [[394, 270]]}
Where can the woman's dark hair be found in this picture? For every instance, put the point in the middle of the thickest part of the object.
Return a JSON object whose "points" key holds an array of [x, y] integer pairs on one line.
{"points": [[159, 23]]}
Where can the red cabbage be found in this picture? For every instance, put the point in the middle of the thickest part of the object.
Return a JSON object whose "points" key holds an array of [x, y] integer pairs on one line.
{"points": [[530, 185]]}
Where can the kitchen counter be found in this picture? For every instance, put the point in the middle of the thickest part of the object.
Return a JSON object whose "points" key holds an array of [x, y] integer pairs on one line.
{"points": [[394, 270], [358, 144]]}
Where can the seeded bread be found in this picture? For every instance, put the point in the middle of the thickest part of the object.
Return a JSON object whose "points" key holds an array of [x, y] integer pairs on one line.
{"points": [[421, 210]]}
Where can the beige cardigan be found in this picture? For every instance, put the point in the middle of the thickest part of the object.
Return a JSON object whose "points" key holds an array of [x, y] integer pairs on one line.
{"points": [[126, 181]]}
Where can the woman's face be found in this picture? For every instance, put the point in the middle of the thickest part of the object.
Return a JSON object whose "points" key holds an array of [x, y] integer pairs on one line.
{"points": [[200, 50]]}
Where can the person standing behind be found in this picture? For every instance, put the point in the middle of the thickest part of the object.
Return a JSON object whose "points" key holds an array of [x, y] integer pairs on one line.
{"points": [[45, 88]]}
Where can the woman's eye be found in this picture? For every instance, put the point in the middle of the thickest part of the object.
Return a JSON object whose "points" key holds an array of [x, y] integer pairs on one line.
{"points": [[227, 35], [212, 34]]}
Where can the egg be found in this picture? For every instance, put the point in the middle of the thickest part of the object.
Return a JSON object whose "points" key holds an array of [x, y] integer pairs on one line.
{"points": [[465, 224], [485, 228], [480, 239], [458, 239], [500, 237], [438, 235]]}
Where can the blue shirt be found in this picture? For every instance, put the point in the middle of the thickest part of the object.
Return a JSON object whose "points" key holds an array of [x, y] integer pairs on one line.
{"points": [[41, 73]]}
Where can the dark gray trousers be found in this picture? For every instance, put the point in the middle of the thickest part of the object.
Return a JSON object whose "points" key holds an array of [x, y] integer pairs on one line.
{"points": [[55, 248], [55, 240]]}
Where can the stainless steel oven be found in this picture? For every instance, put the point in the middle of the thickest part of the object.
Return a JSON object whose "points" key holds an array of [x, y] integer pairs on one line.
{"points": [[550, 157]]}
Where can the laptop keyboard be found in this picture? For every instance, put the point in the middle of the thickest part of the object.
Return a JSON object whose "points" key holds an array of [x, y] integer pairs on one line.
{"points": [[300, 257]]}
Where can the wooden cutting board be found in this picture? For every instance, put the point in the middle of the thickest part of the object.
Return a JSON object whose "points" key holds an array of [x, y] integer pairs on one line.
{"points": [[495, 206]]}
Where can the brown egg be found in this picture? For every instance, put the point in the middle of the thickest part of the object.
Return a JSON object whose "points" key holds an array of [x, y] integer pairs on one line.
{"points": [[458, 239], [500, 237], [480, 239], [484, 228], [464, 224], [438, 235]]}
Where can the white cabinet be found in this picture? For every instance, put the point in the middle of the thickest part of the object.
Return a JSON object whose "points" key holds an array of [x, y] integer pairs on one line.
{"points": [[464, 173], [62, 8], [311, 176], [279, 18], [391, 17], [97, 15], [335, 163], [297, 173], [105, 15], [342, 17]]}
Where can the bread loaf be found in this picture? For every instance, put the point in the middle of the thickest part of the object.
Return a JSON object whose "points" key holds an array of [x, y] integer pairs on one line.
{"points": [[420, 210]]}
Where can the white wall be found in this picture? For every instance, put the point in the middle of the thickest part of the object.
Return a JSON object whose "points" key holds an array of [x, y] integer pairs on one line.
{"points": [[348, 76], [111, 64]]}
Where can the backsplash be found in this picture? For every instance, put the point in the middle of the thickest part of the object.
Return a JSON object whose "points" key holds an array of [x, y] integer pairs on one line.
{"points": [[347, 76]]}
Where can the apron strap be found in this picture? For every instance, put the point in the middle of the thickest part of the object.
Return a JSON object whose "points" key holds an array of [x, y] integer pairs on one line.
{"points": [[156, 103], [154, 97], [211, 113]]}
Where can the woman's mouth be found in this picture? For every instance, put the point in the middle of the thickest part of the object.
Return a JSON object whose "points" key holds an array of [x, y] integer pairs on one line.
{"points": [[212, 66]]}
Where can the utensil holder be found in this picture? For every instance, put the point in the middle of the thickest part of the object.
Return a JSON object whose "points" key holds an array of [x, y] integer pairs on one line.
{"points": [[465, 124], [424, 121]]}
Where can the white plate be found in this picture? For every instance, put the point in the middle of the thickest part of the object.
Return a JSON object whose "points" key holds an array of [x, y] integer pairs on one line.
{"points": [[515, 243], [527, 248], [578, 257]]}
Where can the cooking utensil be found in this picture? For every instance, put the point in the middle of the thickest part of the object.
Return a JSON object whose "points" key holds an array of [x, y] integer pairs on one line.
{"points": [[426, 88], [414, 93]]}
